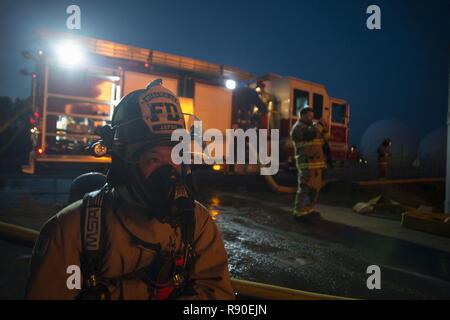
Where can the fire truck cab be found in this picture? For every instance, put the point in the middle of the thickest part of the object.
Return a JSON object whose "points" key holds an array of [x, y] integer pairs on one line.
{"points": [[289, 96]]}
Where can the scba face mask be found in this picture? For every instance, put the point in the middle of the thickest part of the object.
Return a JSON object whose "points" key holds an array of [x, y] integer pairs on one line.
{"points": [[165, 192]]}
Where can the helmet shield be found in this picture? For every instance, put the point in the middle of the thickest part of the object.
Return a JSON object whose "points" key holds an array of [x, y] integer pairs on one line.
{"points": [[147, 116]]}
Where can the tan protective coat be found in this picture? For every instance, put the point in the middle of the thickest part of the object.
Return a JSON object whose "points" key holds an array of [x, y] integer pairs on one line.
{"points": [[59, 246]]}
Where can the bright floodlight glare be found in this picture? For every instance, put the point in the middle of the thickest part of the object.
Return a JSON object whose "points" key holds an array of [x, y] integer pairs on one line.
{"points": [[230, 84], [70, 54]]}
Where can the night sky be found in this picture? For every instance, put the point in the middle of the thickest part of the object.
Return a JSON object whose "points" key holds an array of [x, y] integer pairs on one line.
{"points": [[398, 72]]}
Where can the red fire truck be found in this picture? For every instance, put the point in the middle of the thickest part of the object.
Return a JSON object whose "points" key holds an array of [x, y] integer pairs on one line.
{"points": [[79, 80], [292, 94]]}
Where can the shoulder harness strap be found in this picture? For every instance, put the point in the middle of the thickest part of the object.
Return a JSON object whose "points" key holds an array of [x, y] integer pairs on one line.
{"points": [[93, 233]]}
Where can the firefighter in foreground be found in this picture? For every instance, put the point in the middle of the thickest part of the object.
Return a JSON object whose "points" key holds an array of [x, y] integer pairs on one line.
{"points": [[308, 139], [142, 235], [384, 155]]}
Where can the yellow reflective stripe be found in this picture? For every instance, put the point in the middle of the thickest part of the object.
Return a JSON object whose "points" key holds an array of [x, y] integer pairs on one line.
{"points": [[317, 165], [302, 212], [312, 165], [303, 144]]}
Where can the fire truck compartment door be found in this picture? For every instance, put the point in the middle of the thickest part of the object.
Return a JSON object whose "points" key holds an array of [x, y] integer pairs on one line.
{"points": [[213, 106], [135, 81]]}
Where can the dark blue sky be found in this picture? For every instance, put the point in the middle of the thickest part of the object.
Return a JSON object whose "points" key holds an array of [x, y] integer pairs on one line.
{"points": [[399, 72]]}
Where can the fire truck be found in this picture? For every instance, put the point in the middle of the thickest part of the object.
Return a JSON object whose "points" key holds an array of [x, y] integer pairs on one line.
{"points": [[289, 96], [79, 80]]}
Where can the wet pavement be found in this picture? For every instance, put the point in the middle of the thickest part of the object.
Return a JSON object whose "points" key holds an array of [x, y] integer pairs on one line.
{"points": [[264, 243]]}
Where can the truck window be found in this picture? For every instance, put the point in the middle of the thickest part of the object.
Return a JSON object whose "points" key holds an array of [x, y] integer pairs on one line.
{"points": [[301, 99], [338, 113], [317, 105]]}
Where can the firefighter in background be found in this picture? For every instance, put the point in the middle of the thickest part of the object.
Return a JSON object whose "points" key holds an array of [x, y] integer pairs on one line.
{"points": [[322, 126], [384, 155], [355, 157], [142, 235], [265, 97], [352, 154], [308, 139], [249, 106]]}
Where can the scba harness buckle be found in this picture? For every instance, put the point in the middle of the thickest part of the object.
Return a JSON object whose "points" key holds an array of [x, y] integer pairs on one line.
{"points": [[170, 280], [94, 290]]}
